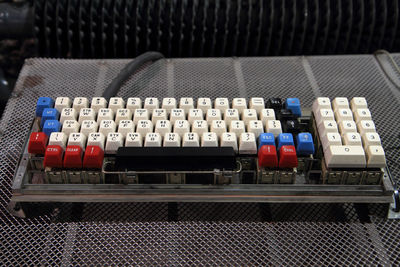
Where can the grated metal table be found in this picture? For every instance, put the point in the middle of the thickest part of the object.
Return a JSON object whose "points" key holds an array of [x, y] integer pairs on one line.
{"points": [[203, 233]]}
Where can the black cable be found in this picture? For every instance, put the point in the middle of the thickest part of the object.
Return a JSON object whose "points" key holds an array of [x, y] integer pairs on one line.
{"points": [[130, 68]]}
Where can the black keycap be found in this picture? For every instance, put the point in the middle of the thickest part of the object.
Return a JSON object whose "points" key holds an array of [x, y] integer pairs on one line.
{"points": [[291, 126], [275, 103], [175, 158], [284, 115]]}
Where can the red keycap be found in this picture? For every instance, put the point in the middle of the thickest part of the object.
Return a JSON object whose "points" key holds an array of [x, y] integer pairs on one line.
{"points": [[37, 143], [267, 156], [287, 157], [53, 157], [93, 158], [73, 157]]}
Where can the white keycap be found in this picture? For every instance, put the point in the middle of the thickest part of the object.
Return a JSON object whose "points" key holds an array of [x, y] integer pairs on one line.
{"points": [[366, 126], [168, 104], [249, 115], [58, 139], [340, 102], [274, 127], [70, 126], [113, 142], [89, 126], [79, 103], [347, 127], [331, 139], [247, 144], [98, 103], [321, 103], [231, 115], [96, 139], [240, 104], [195, 114], [68, 114], [371, 139], [257, 103], [324, 115], [116, 103], [204, 104], [62, 102], [177, 114], [209, 139], [345, 156], [77, 139], [144, 126], [200, 127], [267, 114], [229, 140], [375, 157], [151, 103], [327, 127], [159, 114], [86, 114], [181, 127], [133, 103], [123, 114], [133, 139], [362, 114], [190, 140], [343, 114], [107, 126], [218, 127], [152, 140], [213, 114], [140, 114], [105, 114], [358, 102], [125, 127], [352, 139], [186, 103], [172, 140], [222, 104], [255, 127], [163, 127], [237, 127]]}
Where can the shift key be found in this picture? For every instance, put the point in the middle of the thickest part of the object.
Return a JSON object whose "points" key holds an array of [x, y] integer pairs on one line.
{"points": [[345, 157]]}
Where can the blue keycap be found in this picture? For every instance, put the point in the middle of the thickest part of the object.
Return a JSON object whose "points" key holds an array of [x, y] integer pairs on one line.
{"points": [[285, 139], [294, 105], [49, 114], [42, 103], [266, 139], [305, 144], [51, 126]]}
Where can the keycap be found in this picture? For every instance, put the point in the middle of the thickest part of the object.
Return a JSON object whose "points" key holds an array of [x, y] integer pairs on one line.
{"points": [[163, 127], [240, 104], [191, 140], [116, 103], [98, 103], [231, 115], [53, 156], [362, 114], [144, 126], [274, 103], [255, 127], [340, 102], [266, 139], [343, 114], [274, 127], [58, 139], [37, 143], [237, 127], [249, 115], [213, 114], [358, 102], [141, 114], [267, 156], [345, 157], [291, 126], [73, 157], [79, 103], [366, 126], [51, 126], [107, 126], [285, 139], [347, 127], [352, 139], [267, 114], [86, 114], [305, 144], [133, 140], [321, 103], [371, 139], [172, 140], [105, 114], [177, 114], [218, 127], [327, 127], [230, 140], [195, 114], [287, 157], [42, 103], [133, 103], [331, 139], [375, 157], [204, 103], [209, 139], [247, 144], [68, 114], [151, 103], [200, 127], [284, 114], [113, 142], [89, 126], [96, 139], [257, 103], [221, 103], [168, 104], [324, 115], [93, 158], [123, 114], [293, 104], [77, 139], [62, 102], [152, 140], [186, 103], [70, 126], [181, 127]]}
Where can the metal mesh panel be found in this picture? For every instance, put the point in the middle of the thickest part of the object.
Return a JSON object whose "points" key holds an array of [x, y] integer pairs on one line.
{"points": [[199, 233]]}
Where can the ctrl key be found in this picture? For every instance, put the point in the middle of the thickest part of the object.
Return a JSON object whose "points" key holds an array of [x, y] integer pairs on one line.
{"points": [[73, 157], [53, 157]]}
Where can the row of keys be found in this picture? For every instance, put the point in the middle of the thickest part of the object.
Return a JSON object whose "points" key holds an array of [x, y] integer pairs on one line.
{"points": [[55, 157]]}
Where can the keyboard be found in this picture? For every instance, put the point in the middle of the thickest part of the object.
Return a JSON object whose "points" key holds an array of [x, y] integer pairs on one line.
{"points": [[204, 141]]}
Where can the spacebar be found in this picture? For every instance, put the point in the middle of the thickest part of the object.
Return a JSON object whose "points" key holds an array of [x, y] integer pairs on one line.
{"points": [[175, 158]]}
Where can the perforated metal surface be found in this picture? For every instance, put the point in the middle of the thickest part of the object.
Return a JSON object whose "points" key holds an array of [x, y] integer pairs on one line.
{"points": [[200, 233]]}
